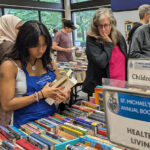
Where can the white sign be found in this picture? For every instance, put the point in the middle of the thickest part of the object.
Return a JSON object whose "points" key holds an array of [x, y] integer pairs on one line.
{"points": [[128, 119], [139, 72]]}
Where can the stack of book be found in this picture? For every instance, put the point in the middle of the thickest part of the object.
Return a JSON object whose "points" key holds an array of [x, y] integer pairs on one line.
{"points": [[37, 135], [92, 143], [97, 115], [79, 68], [91, 105], [72, 112]]}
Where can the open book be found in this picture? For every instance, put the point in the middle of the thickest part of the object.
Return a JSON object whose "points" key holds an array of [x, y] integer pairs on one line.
{"points": [[67, 81]]}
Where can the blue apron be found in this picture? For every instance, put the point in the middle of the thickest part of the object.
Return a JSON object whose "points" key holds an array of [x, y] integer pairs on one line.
{"points": [[39, 109]]}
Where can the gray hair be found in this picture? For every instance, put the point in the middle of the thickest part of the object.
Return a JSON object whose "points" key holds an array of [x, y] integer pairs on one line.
{"points": [[144, 9], [100, 14]]}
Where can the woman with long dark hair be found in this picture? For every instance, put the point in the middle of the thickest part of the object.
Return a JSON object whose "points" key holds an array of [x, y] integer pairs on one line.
{"points": [[26, 76]]}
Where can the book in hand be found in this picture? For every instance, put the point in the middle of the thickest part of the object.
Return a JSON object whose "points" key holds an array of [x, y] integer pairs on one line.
{"points": [[67, 81]]}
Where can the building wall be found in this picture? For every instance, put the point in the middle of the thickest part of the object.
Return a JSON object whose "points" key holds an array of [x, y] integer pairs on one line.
{"points": [[124, 16]]}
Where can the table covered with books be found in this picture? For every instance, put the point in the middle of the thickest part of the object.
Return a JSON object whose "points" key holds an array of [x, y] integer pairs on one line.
{"points": [[79, 127]]}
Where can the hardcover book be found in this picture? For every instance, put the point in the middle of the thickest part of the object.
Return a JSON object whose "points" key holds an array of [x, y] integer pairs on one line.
{"points": [[26, 145], [51, 145], [37, 143]]}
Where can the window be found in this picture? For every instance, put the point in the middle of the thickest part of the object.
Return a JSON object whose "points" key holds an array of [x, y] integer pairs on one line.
{"points": [[53, 1], [51, 20], [78, 1], [23, 14], [0, 12], [83, 24]]}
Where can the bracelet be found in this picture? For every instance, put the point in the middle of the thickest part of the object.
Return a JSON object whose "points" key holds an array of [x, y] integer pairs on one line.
{"points": [[36, 95], [42, 94]]}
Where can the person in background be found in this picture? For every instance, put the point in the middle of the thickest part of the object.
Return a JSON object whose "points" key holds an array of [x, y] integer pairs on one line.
{"points": [[140, 46], [144, 15], [26, 76], [106, 51], [55, 31], [62, 42], [54, 34], [9, 25]]}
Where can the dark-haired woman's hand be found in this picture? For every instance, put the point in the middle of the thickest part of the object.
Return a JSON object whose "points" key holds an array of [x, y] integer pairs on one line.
{"points": [[63, 96], [49, 92], [57, 94]]}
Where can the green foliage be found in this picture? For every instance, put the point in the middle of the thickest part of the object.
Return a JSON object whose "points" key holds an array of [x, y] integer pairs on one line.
{"points": [[52, 20], [25, 15], [83, 20]]}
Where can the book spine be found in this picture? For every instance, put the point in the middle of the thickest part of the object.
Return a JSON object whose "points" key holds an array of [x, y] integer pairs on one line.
{"points": [[2, 148], [73, 126], [43, 125], [53, 120], [96, 118], [50, 144], [2, 137], [50, 139], [11, 136], [17, 136], [61, 121], [91, 129], [76, 128], [77, 133], [4, 134], [55, 136], [82, 120], [62, 116], [27, 127], [18, 131], [71, 147], [67, 113], [36, 128], [47, 123], [24, 129], [36, 143], [25, 144], [8, 145]]}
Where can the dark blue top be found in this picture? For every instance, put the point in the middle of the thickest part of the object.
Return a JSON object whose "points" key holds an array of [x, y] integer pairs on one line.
{"points": [[39, 109]]}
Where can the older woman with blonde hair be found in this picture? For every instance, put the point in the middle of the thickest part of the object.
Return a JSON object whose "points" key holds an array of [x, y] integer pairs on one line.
{"points": [[106, 51]]}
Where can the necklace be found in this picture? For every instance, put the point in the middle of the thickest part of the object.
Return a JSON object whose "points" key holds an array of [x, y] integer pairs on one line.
{"points": [[33, 67]]}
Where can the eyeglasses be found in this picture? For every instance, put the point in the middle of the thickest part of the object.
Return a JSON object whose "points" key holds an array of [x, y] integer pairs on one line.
{"points": [[103, 25]]}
